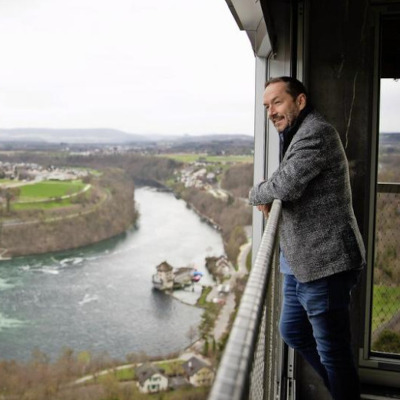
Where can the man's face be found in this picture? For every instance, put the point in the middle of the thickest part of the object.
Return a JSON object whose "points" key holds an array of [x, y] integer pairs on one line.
{"points": [[281, 108]]}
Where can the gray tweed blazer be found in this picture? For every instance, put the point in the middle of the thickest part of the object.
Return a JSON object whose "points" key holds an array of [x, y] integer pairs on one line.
{"points": [[319, 235]]}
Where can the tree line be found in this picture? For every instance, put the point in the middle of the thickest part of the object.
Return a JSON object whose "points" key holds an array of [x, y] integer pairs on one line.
{"points": [[238, 179], [231, 214], [43, 379]]}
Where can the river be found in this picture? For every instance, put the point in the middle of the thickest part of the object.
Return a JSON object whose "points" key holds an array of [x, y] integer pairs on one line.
{"points": [[100, 298]]}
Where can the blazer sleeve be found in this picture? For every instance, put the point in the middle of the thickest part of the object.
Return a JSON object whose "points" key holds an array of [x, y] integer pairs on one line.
{"points": [[304, 161]]}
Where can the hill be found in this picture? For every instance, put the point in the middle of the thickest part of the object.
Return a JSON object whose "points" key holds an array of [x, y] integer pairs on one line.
{"points": [[107, 136], [100, 135]]}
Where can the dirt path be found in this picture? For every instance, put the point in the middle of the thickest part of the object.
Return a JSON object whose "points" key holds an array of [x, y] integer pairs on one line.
{"points": [[222, 322]]}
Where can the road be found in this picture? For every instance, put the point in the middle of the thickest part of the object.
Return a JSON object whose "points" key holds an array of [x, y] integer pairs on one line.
{"points": [[222, 322]]}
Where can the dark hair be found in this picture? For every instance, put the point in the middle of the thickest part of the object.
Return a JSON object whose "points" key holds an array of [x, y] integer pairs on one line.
{"points": [[293, 86]]}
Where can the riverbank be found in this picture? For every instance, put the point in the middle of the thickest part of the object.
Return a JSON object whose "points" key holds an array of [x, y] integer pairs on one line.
{"points": [[143, 182], [87, 299], [223, 303], [123, 375], [105, 211], [45, 299]]}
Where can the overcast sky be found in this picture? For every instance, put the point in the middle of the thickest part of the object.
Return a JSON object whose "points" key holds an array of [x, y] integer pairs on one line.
{"points": [[141, 66], [390, 102]]}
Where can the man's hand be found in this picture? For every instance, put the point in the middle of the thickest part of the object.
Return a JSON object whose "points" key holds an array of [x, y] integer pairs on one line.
{"points": [[265, 208]]}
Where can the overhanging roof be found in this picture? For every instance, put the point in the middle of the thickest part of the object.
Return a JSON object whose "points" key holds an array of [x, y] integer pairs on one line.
{"points": [[249, 16]]}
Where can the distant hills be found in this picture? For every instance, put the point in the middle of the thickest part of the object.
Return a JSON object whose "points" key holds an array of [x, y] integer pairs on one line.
{"points": [[68, 135], [105, 136]]}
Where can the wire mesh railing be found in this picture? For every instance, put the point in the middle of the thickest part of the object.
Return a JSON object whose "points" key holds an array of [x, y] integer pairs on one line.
{"points": [[385, 337], [247, 370]]}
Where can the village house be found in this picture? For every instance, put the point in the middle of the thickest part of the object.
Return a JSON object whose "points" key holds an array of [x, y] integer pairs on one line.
{"points": [[211, 177], [194, 178], [31, 171], [223, 266], [198, 372], [168, 278], [164, 278], [183, 276], [219, 267], [151, 379]]}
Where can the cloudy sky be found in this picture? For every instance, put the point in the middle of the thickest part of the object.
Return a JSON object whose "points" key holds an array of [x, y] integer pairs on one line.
{"points": [[142, 66], [390, 101]]}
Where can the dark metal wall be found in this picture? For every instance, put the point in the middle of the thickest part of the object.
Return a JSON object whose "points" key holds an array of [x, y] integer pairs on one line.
{"points": [[340, 77], [344, 68]]}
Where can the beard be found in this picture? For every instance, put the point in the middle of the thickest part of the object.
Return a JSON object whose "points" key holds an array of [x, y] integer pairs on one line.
{"points": [[284, 121]]}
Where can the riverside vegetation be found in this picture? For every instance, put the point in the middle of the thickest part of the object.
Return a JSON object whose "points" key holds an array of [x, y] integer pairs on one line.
{"points": [[43, 379], [105, 210], [232, 213], [113, 214]]}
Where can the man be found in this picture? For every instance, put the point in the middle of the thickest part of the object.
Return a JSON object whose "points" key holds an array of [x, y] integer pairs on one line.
{"points": [[321, 247]]}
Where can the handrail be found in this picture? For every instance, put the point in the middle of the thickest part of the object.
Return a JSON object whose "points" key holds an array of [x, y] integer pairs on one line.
{"points": [[388, 187], [233, 375]]}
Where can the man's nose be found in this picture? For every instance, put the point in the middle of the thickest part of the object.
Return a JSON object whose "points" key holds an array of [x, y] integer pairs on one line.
{"points": [[270, 112]]}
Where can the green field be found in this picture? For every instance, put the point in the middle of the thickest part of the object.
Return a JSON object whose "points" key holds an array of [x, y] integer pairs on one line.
{"points": [[6, 181], [190, 158], [43, 205], [386, 303], [46, 194], [128, 373], [49, 189]]}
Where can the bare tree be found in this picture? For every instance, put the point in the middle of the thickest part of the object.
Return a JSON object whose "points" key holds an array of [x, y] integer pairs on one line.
{"points": [[9, 194]]}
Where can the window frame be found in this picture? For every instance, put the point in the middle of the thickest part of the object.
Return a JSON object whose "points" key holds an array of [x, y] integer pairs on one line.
{"points": [[376, 367]]}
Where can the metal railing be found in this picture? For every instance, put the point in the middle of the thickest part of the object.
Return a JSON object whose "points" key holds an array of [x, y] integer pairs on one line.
{"points": [[387, 187], [247, 369], [385, 323]]}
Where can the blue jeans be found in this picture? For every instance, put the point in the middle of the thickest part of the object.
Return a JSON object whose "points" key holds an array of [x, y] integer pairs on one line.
{"points": [[315, 321]]}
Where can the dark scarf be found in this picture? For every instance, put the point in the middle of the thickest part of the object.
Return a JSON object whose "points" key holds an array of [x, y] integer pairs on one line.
{"points": [[286, 136]]}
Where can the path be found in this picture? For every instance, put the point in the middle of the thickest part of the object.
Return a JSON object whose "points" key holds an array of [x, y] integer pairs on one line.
{"points": [[222, 322]]}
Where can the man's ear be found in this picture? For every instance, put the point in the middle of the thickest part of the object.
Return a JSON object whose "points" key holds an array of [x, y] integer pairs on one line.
{"points": [[301, 101]]}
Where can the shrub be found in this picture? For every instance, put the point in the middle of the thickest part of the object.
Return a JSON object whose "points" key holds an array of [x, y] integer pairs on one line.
{"points": [[388, 342]]}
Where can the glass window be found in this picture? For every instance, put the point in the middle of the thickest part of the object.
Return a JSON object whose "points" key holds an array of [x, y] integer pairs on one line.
{"points": [[385, 321]]}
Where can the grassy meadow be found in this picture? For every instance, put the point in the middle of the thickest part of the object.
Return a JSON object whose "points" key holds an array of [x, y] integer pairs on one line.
{"points": [[46, 194], [49, 189], [386, 304]]}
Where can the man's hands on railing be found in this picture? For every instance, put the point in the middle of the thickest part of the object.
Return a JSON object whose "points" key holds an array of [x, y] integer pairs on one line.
{"points": [[265, 209]]}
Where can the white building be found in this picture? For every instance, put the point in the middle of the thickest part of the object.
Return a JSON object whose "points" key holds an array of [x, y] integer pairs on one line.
{"points": [[151, 379]]}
